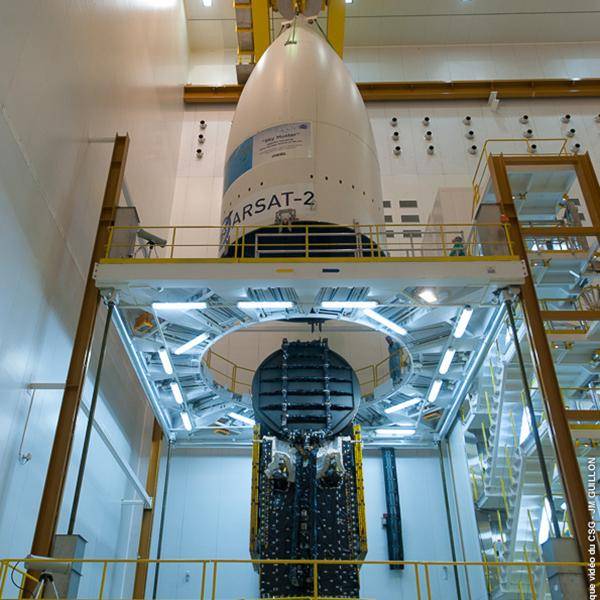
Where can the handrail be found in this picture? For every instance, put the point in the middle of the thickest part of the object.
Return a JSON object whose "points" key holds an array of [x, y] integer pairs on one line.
{"points": [[386, 242], [483, 158], [234, 383], [523, 569]]}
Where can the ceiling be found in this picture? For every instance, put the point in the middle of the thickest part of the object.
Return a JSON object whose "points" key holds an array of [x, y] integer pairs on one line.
{"points": [[425, 22]]}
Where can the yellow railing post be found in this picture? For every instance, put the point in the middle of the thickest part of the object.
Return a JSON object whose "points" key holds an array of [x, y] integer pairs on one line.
{"points": [[306, 242], [173, 242], [315, 581], [111, 230], [233, 377], [4, 573], [203, 582], [102, 581], [442, 235], [213, 594], [417, 581], [427, 581], [531, 582]]}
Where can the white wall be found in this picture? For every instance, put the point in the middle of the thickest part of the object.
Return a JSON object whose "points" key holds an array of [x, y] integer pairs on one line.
{"points": [[433, 63], [208, 514], [414, 175], [70, 72]]}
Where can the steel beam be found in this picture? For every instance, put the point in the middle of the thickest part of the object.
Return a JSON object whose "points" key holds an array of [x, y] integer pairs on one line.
{"points": [[261, 33], [551, 394], [428, 90], [141, 570], [65, 428], [336, 25]]}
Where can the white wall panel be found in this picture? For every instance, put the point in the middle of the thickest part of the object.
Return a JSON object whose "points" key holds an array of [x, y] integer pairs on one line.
{"points": [[208, 516], [72, 70], [414, 175]]}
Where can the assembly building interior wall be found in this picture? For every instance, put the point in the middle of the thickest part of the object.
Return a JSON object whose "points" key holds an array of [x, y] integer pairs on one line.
{"points": [[411, 181], [72, 72], [208, 515]]}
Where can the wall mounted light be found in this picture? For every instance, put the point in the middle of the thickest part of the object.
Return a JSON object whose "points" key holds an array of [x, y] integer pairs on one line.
{"points": [[470, 134], [402, 405], [163, 354], [176, 391], [426, 121], [447, 360], [434, 392], [179, 305], [350, 304], [528, 133], [524, 119], [571, 132], [463, 322], [185, 419], [395, 432], [428, 295], [191, 344], [472, 149], [385, 322], [428, 134], [268, 304], [394, 121], [397, 150], [565, 118], [242, 418], [467, 120], [431, 149]]}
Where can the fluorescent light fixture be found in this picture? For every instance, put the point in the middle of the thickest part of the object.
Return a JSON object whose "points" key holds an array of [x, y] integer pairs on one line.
{"points": [[436, 386], [525, 427], [267, 304], [176, 390], [207, 3], [241, 418], [350, 2], [179, 305], [348, 304], [163, 354], [428, 296], [191, 344], [463, 322], [395, 432], [402, 405], [447, 360], [386, 322], [185, 418]]}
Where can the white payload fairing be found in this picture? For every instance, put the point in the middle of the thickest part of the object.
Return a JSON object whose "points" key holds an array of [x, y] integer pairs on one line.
{"points": [[301, 148]]}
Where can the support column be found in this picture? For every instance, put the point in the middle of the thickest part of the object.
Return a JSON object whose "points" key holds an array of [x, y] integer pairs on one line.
{"points": [[336, 25], [141, 570], [548, 381], [65, 428]]}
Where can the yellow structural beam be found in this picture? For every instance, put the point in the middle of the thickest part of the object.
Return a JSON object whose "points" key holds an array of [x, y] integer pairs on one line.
{"points": [[260, 27], [336, 26]]}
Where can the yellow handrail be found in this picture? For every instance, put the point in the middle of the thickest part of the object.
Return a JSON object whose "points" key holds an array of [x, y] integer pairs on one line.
{"points": [[377, 371], [215, 563], [448, 241]]}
